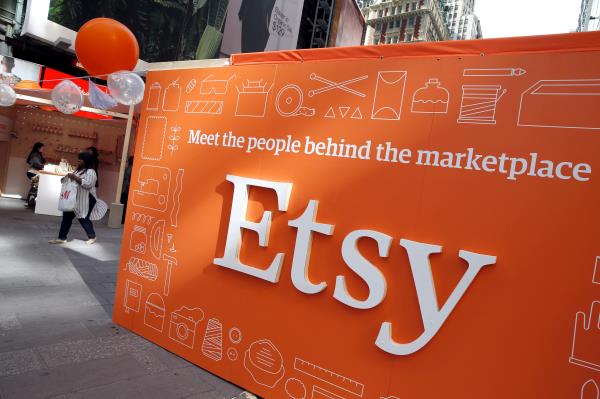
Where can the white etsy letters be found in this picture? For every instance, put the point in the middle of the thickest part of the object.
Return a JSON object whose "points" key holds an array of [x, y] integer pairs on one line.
{"points": [[433, 317], [237, 222], [365, 269], [418, 255], [306, 224]]}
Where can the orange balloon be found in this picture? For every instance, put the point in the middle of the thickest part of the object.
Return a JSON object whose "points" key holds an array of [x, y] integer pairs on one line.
{"points": [[104, 46]]}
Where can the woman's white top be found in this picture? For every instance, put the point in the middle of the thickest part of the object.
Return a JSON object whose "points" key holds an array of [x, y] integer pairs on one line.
{"points": [[87, 187]]}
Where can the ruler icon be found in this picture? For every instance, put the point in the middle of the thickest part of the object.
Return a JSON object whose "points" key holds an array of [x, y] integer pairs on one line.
{"points": [[329, 377]]}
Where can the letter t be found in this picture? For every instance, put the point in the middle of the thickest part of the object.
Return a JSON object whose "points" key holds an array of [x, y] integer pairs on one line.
{"points": [[306, 224]]}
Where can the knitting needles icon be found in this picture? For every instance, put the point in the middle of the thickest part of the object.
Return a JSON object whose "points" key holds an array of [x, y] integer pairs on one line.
{"points": [[174, 138], [330, 85]]}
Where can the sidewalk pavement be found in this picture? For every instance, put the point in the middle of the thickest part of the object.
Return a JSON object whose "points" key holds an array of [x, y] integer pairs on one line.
{"points": [[57, 340]]}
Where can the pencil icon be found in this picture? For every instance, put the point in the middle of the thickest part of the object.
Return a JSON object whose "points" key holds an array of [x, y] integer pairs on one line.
{"points": [[495, 72]]}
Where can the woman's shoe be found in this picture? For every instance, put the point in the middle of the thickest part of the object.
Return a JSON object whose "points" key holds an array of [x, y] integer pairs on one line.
{"points": [[57, 241], [90, 241]]}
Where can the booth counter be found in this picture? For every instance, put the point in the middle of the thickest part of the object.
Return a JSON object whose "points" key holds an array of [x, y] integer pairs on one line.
{"points": [[48, 193]]}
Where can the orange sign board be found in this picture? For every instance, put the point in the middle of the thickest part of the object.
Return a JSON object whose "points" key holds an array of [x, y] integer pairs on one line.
{"points": [[421, 225]]}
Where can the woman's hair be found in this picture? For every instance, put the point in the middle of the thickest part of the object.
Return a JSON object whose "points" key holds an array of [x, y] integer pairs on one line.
{"points": [[94, 151], [88, 160], [36, 149]]}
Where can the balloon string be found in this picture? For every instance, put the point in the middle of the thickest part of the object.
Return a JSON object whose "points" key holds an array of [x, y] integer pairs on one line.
{"points": [[90, 76]]}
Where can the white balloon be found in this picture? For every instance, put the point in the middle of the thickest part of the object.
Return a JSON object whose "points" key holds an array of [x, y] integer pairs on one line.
{"points": [[8, 97], [67, 97], [126, 87]]}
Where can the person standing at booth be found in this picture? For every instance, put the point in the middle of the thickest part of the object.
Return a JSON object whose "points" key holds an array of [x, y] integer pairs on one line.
{"points": [[96, 161], [35, 160], [85, 208]]}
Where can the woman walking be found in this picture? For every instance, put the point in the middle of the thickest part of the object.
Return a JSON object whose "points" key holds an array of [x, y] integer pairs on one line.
{"points": [[85, 208]]}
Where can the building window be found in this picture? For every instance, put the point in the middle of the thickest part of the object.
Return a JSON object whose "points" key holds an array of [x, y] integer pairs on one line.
{"points": [[376, 41], [378, 26], [397, 23], [409, 37], [414, 6], [379, 13], [411, 22]]}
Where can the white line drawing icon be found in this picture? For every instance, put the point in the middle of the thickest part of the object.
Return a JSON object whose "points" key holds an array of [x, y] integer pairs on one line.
{"points": [[142, 218], [344, 111], [212, 345], [172, 249], [389, 95], [295, 388], [215, 86], [586, 336], [183, 324], [432, 98], [154, 97], [171, 262], [133, 296], [153, 191], [330, 113], [596, 276], [169, 238], [567, 104], [209, 86], [252, 98], [235, 335], [264, 363], [494, 72], [191, 86], [331, 85], [174, 137], [155, 313], [205, 107], [337, 380], [232, 354], [138, 240], [321, 393], [142, 268], [156, 238], [590, 390], [390, 397], [290, 102], [172, 98], [357, 114], [177, 198], [154, 138], [479, 104]]}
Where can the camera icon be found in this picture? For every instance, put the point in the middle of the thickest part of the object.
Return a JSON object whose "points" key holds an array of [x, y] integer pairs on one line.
{"points": [[183, 324]]}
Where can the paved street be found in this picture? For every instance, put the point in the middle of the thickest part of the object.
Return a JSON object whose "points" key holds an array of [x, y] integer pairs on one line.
{"points": [[56, 336]]}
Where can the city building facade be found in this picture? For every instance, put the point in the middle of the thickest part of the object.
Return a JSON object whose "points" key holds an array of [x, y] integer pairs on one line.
{"points": [[396, 21], [463, 24], [589, 17]]}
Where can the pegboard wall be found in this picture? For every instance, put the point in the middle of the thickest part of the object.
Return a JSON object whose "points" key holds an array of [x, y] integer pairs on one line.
{"points": [[64, 136]]}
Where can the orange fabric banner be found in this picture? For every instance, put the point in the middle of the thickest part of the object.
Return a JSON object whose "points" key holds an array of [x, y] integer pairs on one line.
{"points": [[364, 227]]}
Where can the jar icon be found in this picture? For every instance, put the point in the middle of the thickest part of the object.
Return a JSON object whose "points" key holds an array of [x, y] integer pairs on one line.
{"points": [[154, 97], [431, 99], [172, 97]]}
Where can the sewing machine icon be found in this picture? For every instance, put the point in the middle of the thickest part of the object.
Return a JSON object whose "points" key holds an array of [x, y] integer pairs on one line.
{"points": [[152, 189]]}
